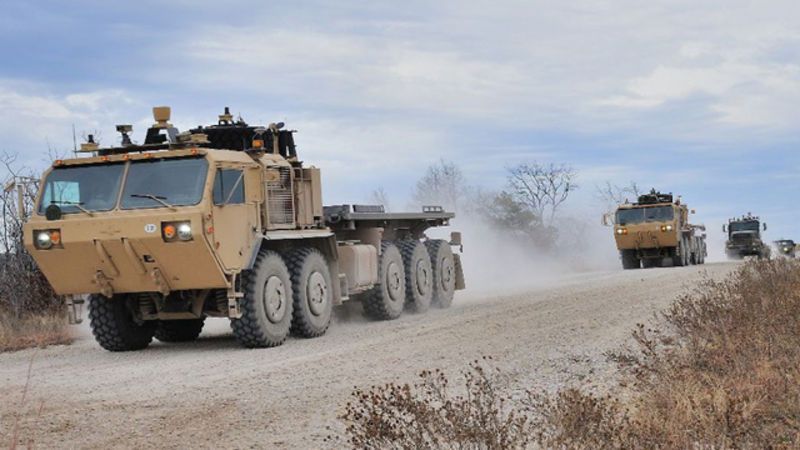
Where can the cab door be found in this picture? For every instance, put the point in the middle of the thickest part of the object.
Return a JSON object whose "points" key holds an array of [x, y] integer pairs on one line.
{"points": [[234, 214]]}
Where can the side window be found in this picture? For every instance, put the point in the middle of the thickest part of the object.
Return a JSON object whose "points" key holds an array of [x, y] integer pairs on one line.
{"points": [[229, 187]]}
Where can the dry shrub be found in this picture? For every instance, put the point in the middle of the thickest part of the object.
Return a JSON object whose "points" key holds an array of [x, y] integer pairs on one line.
{"points": [[31, 314], [33, 331], [720, 370], [431, 415]]}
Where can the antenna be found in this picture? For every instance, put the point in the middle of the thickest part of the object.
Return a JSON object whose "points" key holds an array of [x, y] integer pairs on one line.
{"points": [[74, 141]]}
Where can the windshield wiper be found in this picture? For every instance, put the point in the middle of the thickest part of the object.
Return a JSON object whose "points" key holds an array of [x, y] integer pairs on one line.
{"points": [[155, 198], [78, 205]]}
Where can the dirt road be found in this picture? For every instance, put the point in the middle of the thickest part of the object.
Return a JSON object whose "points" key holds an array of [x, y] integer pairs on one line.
{"points": [[212, 394]]}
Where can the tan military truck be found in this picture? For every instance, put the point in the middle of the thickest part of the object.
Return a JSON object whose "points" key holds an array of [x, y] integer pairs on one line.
{"points": [[656, 229], [224, 221]]}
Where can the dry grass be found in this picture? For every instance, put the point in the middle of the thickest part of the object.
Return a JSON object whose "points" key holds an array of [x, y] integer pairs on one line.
{"points": [[33, 331], [720, 370]]}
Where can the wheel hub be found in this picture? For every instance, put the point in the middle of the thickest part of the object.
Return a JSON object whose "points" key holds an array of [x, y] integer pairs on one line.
{"points": [[393, 281], [317, 293], [423, 277], [447, 273], [274, 299]]}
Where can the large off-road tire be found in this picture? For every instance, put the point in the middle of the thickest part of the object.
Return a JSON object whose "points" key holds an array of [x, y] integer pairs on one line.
{"points": [[419, 275], [629, 260], [444, 272], [679, 258], [179, 330], [115, 326], [267, 303], [385, 301], [313, 292]]}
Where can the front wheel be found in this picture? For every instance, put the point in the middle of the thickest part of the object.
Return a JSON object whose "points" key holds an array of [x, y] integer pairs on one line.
{"points": [[629, 260], [267, 303], [115, 325]]}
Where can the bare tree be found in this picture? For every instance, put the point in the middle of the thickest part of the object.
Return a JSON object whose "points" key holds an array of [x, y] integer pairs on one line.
{"points": [[23, 287], [542, 188], [443, 185], [615, 194], [380, 197]]}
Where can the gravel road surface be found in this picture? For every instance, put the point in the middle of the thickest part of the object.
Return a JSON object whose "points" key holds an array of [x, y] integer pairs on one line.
{"points": [[213, 394]]}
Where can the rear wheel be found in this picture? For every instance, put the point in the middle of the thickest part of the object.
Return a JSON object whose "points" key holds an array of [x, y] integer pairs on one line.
{"points": [[444, 272], [386, 299], [115, 326], [313, 293], [419, 275], [267, 303], [629, 260], [179, 330]]}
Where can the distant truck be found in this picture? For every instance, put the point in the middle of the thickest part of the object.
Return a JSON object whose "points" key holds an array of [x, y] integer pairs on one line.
{"points": [[656, 229], [224, 221], [744, 237], [786, 248]]}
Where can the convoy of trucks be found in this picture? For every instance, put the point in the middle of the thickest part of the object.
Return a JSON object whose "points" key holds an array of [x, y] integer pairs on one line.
{"points": [[225, 221]]}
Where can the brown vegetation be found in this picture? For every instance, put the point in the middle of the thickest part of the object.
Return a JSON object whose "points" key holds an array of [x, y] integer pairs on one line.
{"points": [[720, 370], [39, 330], [30, 312]]}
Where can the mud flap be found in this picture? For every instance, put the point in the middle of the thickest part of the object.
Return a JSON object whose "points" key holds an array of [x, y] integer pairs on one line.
{"points": [[460, 284]]}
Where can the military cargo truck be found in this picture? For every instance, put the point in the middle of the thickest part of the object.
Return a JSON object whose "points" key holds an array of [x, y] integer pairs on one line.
{"points": [[744, 237], [656, 229], [786, 248], [224, 221]]}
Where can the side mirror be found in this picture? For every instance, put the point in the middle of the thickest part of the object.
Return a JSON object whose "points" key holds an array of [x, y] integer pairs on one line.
{"points": [[765, 227], [605, 220], [724, 229]]}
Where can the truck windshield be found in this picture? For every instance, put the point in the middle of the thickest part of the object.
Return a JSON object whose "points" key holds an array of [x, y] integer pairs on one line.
{"points": [[639, 215], [162, 183], [751, 225], [93, 188]]}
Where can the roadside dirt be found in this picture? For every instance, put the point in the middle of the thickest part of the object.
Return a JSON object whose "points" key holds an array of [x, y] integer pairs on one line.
{"points": [[211, 393]]}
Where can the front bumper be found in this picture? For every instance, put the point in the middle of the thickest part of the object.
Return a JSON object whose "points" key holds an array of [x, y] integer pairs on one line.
{"points": [[124, 254]]}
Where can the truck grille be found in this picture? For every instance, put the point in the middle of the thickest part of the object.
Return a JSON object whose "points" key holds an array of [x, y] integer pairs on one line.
{"points": [[279, 198]]}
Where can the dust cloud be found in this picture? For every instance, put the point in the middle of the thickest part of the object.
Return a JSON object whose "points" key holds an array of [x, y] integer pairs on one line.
{"points": [[496, 262]]}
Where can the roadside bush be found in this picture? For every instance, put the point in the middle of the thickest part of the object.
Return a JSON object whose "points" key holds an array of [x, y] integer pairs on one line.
{"points": [[432, 415], [31, 314], [720, 370]]}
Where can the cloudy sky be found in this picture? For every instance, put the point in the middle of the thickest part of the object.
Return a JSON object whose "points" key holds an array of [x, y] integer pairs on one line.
{"points": [[700, 100]]}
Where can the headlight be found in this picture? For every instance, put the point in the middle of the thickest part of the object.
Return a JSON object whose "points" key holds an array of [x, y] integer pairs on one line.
{"points": [[786, 249], [47, 239], [666, 228], [185, 232], [622, 231], [174, 231]]}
